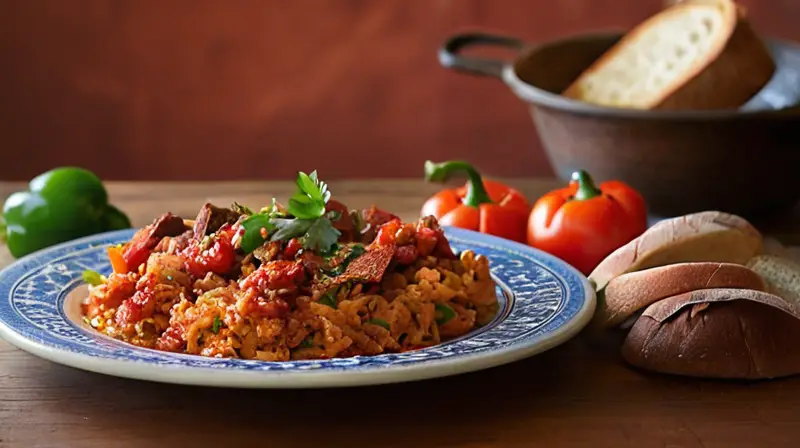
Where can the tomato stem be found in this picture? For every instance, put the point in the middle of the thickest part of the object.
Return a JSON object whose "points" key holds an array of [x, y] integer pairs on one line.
{"points": [[476, 191], [586, 187]]}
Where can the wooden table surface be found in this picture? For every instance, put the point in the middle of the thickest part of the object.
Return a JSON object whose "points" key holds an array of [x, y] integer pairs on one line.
{"points": [[577, 395]]}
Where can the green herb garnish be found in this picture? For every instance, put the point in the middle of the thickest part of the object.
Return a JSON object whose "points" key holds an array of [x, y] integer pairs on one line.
{"points": [[253, 236], [358, 220], [288, 228], [93, 278], [355, 251], [321, 235], [311, 196], [443, 313], [216, 325], [329, 299], [379, 322], [332, 250], [242, 209], [305, 218], [308, 342]]}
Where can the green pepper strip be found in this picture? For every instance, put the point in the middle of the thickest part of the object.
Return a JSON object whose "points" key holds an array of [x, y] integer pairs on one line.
{"points": [[476, 191], [379, 322], [586, 187]]}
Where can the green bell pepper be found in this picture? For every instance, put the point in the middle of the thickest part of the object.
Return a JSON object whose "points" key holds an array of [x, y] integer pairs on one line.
{"points": [[60, 205]]}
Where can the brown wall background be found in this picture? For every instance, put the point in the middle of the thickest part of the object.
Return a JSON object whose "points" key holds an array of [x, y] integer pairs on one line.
{"points": [[213, 89]]}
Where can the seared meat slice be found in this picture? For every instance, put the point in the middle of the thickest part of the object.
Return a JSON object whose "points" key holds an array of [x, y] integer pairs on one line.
{"points": [[211, 218], [370, 267], [145, 240], [267, 252], [344, 222]]}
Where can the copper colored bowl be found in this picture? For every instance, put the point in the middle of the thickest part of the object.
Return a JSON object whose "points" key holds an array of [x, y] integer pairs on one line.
{"points": [[739, 161]]}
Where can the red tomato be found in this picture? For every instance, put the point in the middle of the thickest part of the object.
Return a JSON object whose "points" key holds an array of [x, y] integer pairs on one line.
{"points": [[218, 258]]}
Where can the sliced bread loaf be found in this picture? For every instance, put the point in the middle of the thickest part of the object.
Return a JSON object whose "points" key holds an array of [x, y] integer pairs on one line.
{"points": [[781, 275]]}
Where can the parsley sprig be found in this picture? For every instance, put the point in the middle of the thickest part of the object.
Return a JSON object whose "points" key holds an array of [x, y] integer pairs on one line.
{"points": [[305, 218], [311, 196]]}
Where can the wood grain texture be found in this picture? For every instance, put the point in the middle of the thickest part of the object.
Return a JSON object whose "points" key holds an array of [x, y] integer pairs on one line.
{"points": [[206, 89], [577, 395]]}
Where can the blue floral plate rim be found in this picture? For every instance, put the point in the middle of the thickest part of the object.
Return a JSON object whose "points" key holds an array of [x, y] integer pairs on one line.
{"points": [[544, 302]]}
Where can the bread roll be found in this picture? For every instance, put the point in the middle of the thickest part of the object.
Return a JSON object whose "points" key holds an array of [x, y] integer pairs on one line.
{"points": [[717, 333], [698, 54], [698, 237], [629, 293]]}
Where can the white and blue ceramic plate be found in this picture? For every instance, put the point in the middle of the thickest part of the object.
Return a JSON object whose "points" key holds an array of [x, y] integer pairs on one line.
{"points": [[543, 303]]}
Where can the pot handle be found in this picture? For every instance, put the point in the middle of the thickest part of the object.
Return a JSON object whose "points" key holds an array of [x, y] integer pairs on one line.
{"points": [[450, 57]]}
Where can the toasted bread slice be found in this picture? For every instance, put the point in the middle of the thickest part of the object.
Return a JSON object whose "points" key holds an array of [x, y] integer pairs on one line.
{"points": [[782, 276], [697, 54]]}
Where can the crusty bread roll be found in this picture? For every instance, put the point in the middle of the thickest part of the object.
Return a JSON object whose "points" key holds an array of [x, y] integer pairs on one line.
{"points": [[782, 276], [717, 333], [698, 54], [629, 293], [698, 237]]}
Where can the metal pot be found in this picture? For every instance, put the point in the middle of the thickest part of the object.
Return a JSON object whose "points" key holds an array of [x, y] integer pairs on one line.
{"points": [[739, 161]]}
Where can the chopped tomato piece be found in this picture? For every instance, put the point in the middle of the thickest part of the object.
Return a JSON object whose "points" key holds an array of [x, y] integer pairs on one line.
{"points": [[128, 313], [377, 217], [407, 254], [136, 253], [171, 340], [387, 233], [292, 248], [252, 303], [218, 258], [426, 241], [281, 274]]}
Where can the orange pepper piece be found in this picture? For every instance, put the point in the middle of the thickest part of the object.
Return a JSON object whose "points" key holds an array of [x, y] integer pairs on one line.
{"points": [[118, 263]]}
